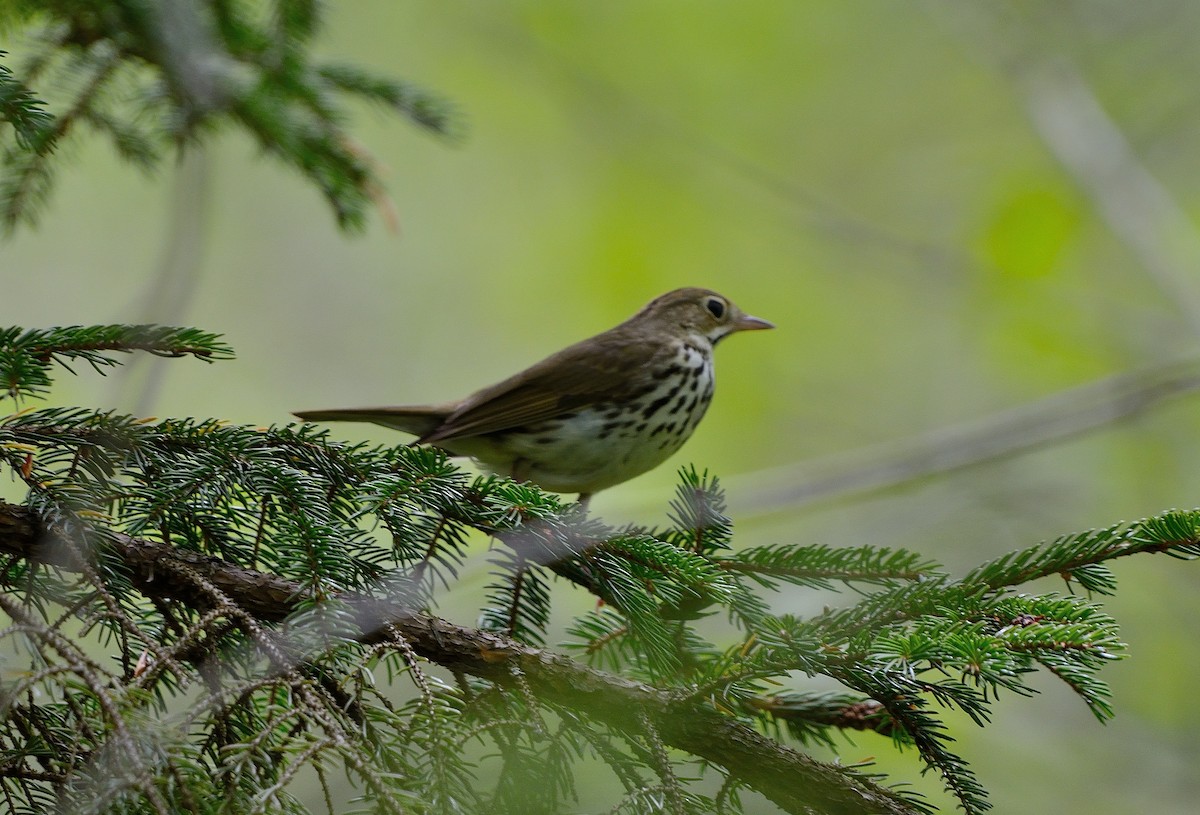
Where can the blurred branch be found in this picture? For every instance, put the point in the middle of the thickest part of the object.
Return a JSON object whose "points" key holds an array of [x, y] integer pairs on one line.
{"points": [[169, 296], [1137, 208], [200, 75], [1053, 419], [26, 113], [792, 780], [1090, 145], [153, 77]]}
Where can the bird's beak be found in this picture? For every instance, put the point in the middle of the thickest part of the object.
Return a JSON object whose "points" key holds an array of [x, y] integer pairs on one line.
{"points": [[748, 323]]}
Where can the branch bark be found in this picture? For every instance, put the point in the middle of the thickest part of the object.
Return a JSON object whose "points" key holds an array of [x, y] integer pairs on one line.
{"points": [[795, 782]]}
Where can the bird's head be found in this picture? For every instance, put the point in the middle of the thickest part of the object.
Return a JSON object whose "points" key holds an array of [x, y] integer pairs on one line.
{"points": [[699, 312]]}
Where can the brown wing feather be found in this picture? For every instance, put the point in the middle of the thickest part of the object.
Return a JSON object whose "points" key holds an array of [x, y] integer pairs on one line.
{"points": [[601, 369]]}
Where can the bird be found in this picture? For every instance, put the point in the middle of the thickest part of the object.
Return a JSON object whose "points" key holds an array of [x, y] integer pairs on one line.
{"points": [[593, 415]]}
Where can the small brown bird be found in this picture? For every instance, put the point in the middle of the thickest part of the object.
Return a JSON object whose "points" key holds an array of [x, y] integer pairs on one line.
{"points": [[596, 413]]}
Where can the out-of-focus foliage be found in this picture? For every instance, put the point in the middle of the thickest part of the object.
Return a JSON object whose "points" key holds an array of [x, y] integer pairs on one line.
{"points": [[153, 77]]}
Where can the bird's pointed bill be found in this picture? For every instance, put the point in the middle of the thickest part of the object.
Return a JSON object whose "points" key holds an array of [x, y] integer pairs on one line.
{"points": [[748, 323]]}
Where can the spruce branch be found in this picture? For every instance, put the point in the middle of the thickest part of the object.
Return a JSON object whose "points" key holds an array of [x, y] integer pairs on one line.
{"points": [[1081, 558], [790, 779], [813, 718], [27, 356], [819, 566], [265, 572], [21, 109]]}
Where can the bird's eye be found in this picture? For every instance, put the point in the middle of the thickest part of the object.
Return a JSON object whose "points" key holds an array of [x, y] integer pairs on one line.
{"points": [[715, 307]]}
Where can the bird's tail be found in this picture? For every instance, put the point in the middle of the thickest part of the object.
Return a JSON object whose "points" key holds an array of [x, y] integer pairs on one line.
{"points": [[419, 421]]}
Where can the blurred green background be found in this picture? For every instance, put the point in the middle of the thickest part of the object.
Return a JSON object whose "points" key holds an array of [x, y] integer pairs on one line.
{"points": [[948, 208]]}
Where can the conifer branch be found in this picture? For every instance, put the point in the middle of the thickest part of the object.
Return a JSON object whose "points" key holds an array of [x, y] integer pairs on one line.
{"points": [[793, 781], [277, 568], [26, 356], [21, 108]]}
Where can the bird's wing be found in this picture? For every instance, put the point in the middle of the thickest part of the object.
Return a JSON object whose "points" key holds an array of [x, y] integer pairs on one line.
{"points": [[603, 369]]}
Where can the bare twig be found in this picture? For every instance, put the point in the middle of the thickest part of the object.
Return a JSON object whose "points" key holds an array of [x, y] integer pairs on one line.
{"points": [[1053, 419]]}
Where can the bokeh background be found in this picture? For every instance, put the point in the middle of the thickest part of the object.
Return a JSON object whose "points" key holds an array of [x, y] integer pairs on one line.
{"points": [[950, 209]]}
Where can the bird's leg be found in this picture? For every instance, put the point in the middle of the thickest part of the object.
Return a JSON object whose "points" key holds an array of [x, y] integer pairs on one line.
{"points": [[584, 498]]}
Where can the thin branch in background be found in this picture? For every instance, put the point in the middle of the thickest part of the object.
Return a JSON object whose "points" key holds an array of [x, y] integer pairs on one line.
{"points": [[1067, 114], [1138, 209], [1056, 418], [169, 297]]}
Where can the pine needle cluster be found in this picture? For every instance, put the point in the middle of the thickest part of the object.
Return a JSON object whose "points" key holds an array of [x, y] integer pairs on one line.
{"points": [[204, 615], [153, 77]]}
